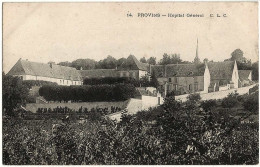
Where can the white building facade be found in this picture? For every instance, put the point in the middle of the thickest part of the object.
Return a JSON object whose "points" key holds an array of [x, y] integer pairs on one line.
{"points": [[61, 75]]}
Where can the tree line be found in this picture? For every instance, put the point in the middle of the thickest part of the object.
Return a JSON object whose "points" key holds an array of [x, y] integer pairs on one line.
{"points": [[112, 63]]}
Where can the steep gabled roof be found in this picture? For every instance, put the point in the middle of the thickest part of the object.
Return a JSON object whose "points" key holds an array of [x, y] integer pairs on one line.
{"points": [[133, 64], [221, 70], [24, 67], [178, 70], [244, 74], [99, 73]]}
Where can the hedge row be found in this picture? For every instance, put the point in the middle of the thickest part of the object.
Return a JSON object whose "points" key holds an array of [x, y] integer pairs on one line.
{"points": [[107, 80], [116, 80], [30, 83], [88, 93]]}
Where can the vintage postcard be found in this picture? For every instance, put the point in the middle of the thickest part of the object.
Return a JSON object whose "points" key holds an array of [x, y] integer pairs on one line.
{"points": [[130, 83]]}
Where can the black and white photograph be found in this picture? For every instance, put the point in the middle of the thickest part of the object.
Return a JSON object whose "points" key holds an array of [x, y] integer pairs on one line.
{"points": [[130, 83]]}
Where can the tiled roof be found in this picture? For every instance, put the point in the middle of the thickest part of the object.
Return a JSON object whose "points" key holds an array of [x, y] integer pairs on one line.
{"points": [[178, 70], [221, 70], [24, 67], [98, 73], [133, 64], [244, 74]]}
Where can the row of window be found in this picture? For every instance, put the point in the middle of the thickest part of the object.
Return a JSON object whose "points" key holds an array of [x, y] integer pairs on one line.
{"points": [[61, 81], [73, 82]]}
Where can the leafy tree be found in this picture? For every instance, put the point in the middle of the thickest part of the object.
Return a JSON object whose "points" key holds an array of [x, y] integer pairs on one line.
{"points": [[207, 105], [143, 60], [151, 60], [144, 81], [238, 55], [166, 59], [171, 105], [243, 63], [251, 103], [229, 101], [192, 103], [108, 63], [154, 81], [171, 59], [65, 63], [255, 71], [86, 64], [121, 62], [14, 93]]}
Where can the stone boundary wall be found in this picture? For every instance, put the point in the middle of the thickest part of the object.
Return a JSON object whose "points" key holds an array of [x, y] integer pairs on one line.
{"points": [[219, 94], [134, 105], [34, 106]]}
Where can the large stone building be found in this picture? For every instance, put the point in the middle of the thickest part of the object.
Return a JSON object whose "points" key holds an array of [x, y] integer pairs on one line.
{"points": [[223, 75], [62, 75], [182, 78]]}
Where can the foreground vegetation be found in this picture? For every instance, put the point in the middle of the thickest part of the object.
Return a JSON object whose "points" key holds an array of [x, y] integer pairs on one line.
{"points": [[194, 132], [88, 93]]}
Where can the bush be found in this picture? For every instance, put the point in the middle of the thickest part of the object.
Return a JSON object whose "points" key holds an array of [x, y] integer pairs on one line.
{"points": [[144, 82], [173, 93], [194, 97], [251, 103], [88, 93], [109, 80], [208, 104], [171, 139], [230, 101], [14, 94]]}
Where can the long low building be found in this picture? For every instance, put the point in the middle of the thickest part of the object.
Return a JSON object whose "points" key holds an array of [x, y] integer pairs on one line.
{"points": [[61, 75]]}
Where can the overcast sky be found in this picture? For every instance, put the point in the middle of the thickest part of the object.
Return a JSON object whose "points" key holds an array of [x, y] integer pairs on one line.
{"points": [[44, 32]]}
